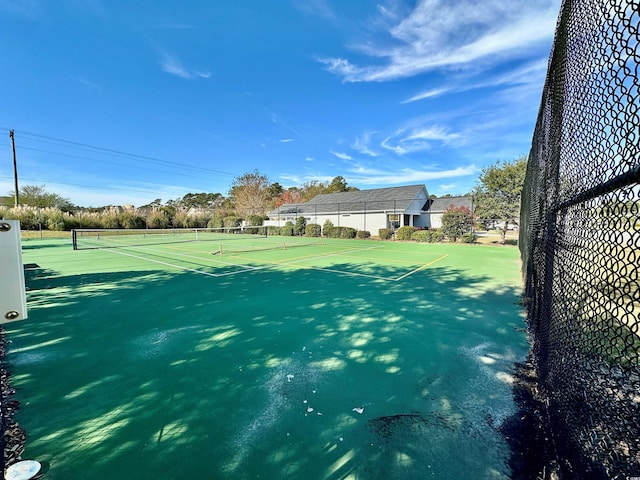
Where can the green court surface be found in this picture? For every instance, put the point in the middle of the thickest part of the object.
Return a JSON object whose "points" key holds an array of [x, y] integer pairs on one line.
{"points": [[346, 360]]}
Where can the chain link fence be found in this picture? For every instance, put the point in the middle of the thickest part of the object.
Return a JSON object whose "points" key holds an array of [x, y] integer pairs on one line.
{"points": [[580, 240]]}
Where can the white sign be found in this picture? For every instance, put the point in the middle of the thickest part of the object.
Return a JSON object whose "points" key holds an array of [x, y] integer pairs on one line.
{"points": [[13, 299]]}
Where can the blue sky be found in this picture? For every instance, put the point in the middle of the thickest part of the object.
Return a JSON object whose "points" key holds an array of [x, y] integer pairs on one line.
{"points": [[116, 101]]}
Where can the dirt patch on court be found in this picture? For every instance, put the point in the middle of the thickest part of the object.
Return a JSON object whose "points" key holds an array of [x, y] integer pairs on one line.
{"points": [[527, 430]]}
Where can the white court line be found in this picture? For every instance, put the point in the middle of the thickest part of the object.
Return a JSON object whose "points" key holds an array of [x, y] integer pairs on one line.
{"points": [[422, 267], [214, 260], [337, 254], [277, 264], [402, 277], [194, 270]]}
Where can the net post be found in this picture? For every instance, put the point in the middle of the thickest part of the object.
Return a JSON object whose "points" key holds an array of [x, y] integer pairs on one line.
{"points": [[74, 239]]}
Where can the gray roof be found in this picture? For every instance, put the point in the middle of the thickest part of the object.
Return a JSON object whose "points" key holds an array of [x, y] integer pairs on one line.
{"points": [[439, 205], [380, 199]]}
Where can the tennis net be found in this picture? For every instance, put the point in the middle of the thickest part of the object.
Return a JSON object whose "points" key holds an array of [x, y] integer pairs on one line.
{"points": [[87, 238], [248, 245]]}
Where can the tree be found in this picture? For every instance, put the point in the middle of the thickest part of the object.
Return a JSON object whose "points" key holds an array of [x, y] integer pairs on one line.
{"points": [[250, 193], [497, 196], [275, 190], [456, 221], [311, 189], [339, 184], [37, 196], [202, 200], [292, 195]]}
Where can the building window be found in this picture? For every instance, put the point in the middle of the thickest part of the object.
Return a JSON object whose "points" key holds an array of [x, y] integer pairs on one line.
{"points": [[394, 220]]}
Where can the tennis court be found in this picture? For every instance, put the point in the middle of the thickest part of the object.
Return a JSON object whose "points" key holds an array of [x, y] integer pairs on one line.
{"points": [[334, 359]]}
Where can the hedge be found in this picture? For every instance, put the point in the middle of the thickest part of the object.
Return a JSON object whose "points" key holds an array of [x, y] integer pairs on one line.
{"points": [[404, 233], [313, 230], [385, 233]]}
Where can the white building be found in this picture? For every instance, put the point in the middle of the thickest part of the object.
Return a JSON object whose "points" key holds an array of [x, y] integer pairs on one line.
{"points": [[370, 210]]}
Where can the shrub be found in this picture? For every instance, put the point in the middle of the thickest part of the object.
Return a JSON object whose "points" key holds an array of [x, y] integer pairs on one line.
{"points": [[436, 236], [301, 225], [157, 219], [70, 221], [328, 230], [109, 217], [456, 222], [469, 238], [231, 222], [423, 236], [216, 222], [345, 232], [385, 233], [254, 220], [85, 219], [53, 220], [313, 230], [288, 230], [273, 230], [404, 233], [339, 232], [198, 220], [363, 234], [26, 215], [130, 218]]}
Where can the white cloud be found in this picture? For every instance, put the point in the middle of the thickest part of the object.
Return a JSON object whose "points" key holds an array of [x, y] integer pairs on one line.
{"points": [[446, 187], [434, 92], [286, 140], [293, 180], [441, 34], [407, 175], [279, 120], [89, 84], [434, 132], [418, 139], [341, 155], [530, 73], [361, 144], [365, 176], [170, 25], [173, 66], [315, 7]]}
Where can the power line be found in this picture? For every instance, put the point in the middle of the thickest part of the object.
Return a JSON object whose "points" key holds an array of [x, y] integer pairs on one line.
{"points": [[108, 151], [101, 187], [104, 161]]}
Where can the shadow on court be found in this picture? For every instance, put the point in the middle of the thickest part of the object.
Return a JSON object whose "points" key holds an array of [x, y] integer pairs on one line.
{"points": [[276, 373]]}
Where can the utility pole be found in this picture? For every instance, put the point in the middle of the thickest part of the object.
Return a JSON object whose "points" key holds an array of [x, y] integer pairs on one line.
{"points": [[15, 166]]}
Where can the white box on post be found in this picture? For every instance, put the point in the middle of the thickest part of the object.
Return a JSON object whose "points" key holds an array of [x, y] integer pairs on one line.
{"points": [[13, 298]]}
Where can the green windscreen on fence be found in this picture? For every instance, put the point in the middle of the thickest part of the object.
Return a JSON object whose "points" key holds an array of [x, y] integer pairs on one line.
{"points": [[580, 240]]}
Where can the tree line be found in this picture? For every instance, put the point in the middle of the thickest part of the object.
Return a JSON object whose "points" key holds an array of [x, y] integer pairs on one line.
{"points": [[250, 197]]}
